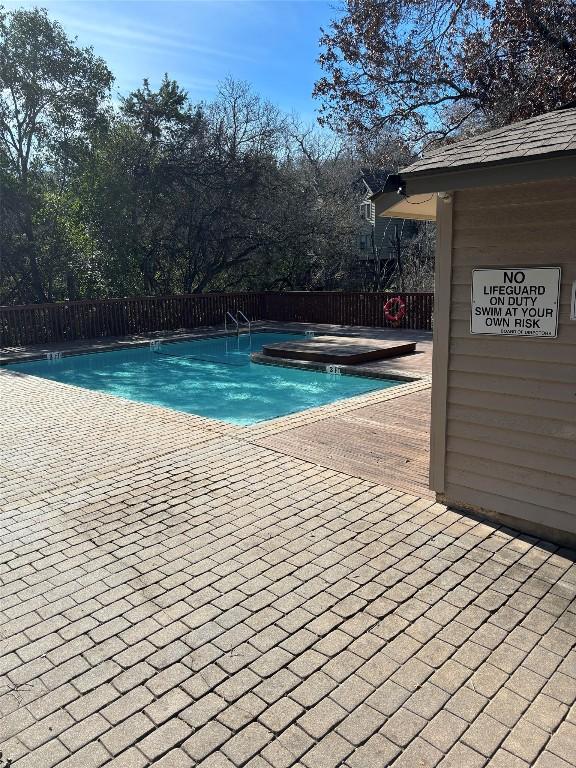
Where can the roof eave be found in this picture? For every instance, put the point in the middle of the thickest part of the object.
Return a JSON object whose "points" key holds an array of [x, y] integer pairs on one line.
{"points": [[412, 186], [399, 206], [525, 169]]}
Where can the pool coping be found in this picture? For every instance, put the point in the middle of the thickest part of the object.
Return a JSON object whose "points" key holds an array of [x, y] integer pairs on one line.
{"points": [[11, 355]]}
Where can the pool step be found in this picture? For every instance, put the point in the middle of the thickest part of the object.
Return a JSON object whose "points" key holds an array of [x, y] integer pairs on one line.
{"points": [[338, 350]]}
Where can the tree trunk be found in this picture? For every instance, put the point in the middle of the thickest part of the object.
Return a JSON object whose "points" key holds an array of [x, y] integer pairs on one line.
{"points": [[35, 275]]}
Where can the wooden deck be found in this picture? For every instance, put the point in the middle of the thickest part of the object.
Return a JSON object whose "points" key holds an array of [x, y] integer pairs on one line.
{"points": [[386, 443]]}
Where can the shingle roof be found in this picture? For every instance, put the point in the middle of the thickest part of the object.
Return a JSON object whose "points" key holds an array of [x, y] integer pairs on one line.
{"points": [[375, 179], [550, 134]]}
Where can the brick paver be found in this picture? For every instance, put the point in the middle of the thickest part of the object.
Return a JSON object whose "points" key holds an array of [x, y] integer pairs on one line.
{"points": [[173, 594]]}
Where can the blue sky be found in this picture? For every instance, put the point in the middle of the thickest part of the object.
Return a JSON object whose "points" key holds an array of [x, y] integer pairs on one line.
{"points": [[273, 44]]}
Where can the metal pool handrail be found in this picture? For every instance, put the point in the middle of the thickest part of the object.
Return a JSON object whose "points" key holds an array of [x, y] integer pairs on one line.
{"points": [[226, 316], [239, 312]]}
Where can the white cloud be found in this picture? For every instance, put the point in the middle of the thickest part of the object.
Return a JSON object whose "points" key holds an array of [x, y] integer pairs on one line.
{"points": [[144, 38]]}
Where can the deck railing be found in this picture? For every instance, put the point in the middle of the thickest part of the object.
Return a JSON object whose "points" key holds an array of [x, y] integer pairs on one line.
{"points": [[100, 318]]}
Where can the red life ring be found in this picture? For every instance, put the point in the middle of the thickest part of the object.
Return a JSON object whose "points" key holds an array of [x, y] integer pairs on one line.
{"points": [[394, 310]]}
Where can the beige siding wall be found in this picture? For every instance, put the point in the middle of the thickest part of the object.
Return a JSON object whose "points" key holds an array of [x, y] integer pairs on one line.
{"points": [[511, 402]]}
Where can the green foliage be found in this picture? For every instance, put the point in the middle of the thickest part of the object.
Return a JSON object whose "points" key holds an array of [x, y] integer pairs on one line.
{"points": [[157, 113], [52, 90], [51, 99]]}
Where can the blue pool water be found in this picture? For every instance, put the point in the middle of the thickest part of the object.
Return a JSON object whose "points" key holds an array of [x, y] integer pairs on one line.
{"points": [[209, 377]]}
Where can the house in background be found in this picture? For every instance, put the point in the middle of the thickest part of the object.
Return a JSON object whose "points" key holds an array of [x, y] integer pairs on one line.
{"points": [[380, 240]]}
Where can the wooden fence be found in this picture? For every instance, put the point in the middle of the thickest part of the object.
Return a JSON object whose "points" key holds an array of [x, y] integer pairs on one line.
{"points": [[101, 318], [349, 308]]}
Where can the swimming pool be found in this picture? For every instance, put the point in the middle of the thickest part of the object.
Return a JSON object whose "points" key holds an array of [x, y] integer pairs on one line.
{"points": [[210, 377]]}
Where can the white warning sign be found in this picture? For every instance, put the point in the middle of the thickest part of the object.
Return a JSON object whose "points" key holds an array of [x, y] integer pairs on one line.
{"points": [[515, 301]]}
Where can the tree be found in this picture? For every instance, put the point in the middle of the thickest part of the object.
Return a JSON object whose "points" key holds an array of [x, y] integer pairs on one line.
{"points": [[435, 68], [236, 189], [180, 196], [158, 115], [51, 98], [153, 146]]}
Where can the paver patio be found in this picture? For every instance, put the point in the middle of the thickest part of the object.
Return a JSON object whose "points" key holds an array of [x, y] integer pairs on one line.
{"points": [[174, 593]]}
